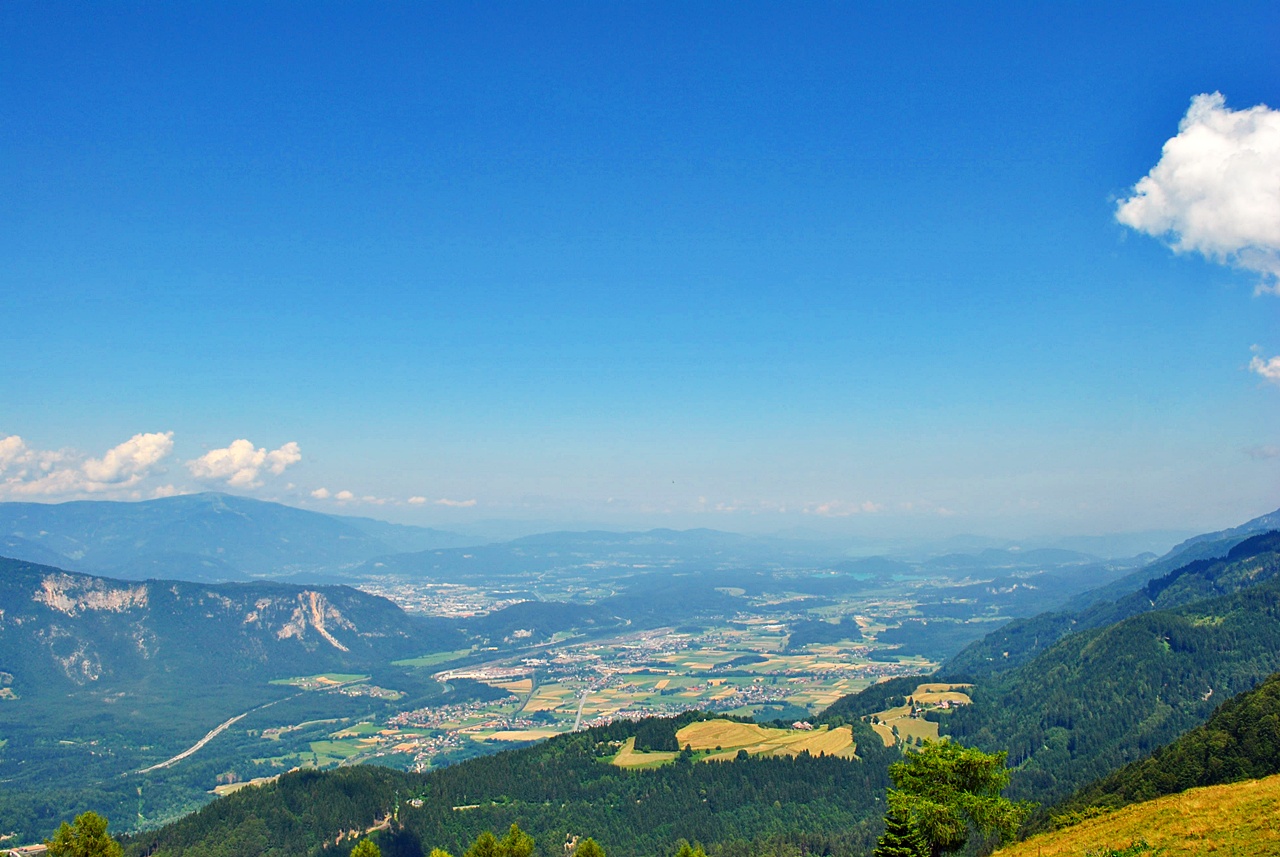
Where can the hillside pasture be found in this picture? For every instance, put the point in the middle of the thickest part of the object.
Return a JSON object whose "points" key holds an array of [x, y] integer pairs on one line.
{"points": [[628, 757], [727, 737], [906, 720], [1238, 819]]}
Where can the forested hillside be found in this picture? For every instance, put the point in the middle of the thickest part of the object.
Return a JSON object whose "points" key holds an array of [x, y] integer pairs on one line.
{"points": [[1241, 741], [1246, 563], [1084, 700], [560, 788], [100, 677], [1101, 698]]}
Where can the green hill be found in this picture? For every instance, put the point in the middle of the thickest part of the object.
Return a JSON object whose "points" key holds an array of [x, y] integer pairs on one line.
{"points": [[101, 677], [1241, 741], [562, 787], [1096, 699], [1243, 564]]}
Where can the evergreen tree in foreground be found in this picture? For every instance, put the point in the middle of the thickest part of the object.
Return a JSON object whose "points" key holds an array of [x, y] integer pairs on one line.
{"points": [[945, 790], [85, 837], [900, 839]]}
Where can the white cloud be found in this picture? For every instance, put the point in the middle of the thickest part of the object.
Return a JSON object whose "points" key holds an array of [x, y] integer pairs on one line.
{"points": [[1216, 188], [840, 509], [344, 496], [1263, 453], [25, 471], [1268, 369], [455, 504], [240, 464], [278, 460], [417, 501], [131, 460], [321, 494]]}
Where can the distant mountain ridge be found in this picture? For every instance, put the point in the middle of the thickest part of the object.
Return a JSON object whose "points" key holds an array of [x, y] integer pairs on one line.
{"points": [[659, 548], [1204, 546], [1073, 696], [211, 537], [61, 630]]}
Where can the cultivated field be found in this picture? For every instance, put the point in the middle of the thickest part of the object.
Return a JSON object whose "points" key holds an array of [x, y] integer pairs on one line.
{"points": [[906, 723], [721, 740]]}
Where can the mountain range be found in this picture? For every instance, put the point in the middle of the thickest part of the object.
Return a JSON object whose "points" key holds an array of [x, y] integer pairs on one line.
{"points": [[212, 537]]}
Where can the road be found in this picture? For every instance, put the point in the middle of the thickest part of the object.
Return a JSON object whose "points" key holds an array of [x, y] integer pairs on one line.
{"points": [[213, 733], [577, 721], [224, 726]]}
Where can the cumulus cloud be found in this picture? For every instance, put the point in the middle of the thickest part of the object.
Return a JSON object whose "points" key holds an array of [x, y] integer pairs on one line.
{"points": [[131, 460], [417, 501], [1268, 369], [839, 509], [321, 494], [455, 504], [344, 496], [240, 464], [1216, 188], [26, 471]]}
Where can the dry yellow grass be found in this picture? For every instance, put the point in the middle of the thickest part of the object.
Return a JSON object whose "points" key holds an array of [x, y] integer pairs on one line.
{"points": [[1240, 820], [709, 734], [832, 742], [220, 791], [936, 698], [662, 683], [915, 727], [937, 687], [925, 695], [935, 694], [524, 685], [731, 737], [628, 757], [885, 733], [543, 703]]}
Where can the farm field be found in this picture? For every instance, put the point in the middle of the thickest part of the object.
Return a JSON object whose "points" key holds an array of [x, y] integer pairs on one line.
{"points": [[906, 723], [742, 664], [722, 740]]}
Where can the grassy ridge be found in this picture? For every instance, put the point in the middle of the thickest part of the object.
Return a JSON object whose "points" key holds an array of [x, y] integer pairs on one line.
{"points": [[1238, 819]]}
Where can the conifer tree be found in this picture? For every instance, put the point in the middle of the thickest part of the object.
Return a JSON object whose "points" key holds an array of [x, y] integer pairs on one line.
{"points": [[900, 839], [945, 789], [85, 837]]}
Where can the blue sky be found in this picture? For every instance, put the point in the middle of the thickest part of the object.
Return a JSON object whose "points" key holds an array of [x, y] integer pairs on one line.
{"points": [[852, 267]]}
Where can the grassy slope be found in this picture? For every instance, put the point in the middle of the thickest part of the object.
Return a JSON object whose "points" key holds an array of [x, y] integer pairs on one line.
{"points": [[1239, 819]]}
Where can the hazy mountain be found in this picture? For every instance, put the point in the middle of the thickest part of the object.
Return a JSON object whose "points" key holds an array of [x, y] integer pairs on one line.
{"points": [[1101, 697], [1204, 546], [649, 550], [1021, 640], [200, 537]]}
